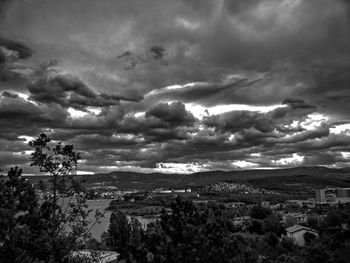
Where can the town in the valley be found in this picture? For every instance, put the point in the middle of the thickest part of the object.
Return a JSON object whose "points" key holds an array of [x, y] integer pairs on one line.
{"points": [[251, 209]]}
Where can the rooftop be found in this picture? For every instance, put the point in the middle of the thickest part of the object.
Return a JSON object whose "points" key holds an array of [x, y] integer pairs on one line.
{"points": [[297, 228]]}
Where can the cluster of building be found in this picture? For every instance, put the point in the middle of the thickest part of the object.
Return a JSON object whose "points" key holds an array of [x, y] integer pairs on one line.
{"points": [[293, 214], [101, 191], [235, 187], [172, 191], [332, 195]]}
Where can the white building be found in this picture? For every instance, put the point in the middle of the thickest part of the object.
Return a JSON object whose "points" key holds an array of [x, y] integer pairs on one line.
{"points": [[343, 195], [332, 195], [294, 217], [320, 196], [102, 256], [297, 232]]}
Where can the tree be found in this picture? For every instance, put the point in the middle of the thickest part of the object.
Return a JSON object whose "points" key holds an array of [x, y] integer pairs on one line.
{"points": [[272, 224], [135, 233], [119, 233], [309, 237], [17, 200], [333, 220], [259, 212], [191, 234], [42, 185], [57, 160], [66, 223], [313, 221], [316, 253], [45, 231]]}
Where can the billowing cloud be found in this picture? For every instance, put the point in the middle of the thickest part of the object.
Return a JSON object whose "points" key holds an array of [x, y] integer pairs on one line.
{"points": [[184, 86], [14, 48], [69, 91], [174, 113], [11, 52], [130, 59]]}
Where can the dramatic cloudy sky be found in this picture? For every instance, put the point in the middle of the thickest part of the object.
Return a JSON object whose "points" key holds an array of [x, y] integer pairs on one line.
{"points": [[177, 85]]}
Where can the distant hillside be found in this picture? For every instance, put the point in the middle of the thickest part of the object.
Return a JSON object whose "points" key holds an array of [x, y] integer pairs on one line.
{"points": [[315, 176]]}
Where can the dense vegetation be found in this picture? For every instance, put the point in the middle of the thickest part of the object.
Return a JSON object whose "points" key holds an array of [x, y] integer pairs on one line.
{"points": [[206, 234], [39, 230]]}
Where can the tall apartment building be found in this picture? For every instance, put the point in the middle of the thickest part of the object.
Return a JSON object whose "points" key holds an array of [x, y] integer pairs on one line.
{"points": [[343, 195], [343, 192], [320, 195], [332, 195]]}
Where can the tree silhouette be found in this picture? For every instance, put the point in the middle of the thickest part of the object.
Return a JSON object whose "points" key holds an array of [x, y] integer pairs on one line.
{"points": [[58, 160], [119, 233], [50, 229], [42, 185], [189, 234]]}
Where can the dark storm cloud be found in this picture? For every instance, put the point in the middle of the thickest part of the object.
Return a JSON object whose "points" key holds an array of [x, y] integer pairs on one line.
{"points": [[174, 113], [198, 53], [57, 89], [131, 59], [263, 122], [334, 141], [298, 103], [305, 135], [161, 123], [208, 94], [238, 120], [311, 147], [158, 51], [67, 90], [330, 85], [275, 30], [326, 158], [22, 50], [87, 142], [10, 52], [9, 159], [105, 122], [206, 41], [9, 95], [24, 118], [16, 145]]}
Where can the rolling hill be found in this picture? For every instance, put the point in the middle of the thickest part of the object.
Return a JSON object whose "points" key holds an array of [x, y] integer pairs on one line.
{"points": [[316, 176]]}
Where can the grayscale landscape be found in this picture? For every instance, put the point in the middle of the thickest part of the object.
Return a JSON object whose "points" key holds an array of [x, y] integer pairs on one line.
{"points": [[174, 131]]}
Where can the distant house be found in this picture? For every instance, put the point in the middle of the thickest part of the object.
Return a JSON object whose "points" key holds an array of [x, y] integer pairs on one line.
{"points": [[297, 232], [102, 256], [242, 222], [295, 218], [234, 204], [266, 204]]}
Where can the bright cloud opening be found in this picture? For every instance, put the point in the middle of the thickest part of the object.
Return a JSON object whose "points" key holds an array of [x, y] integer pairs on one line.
{"points": [[76, 113], [314, 121], [342, 128], [199, 111], [244, 164], [295, 159], [180, 168]]}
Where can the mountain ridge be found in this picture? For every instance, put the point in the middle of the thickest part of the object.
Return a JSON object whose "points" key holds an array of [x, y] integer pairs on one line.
{"points": [[127, 180], [162, 180]]}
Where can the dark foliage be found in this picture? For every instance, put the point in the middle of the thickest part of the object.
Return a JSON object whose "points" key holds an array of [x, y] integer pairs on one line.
{"points": [[258, 212], [191, 233], [33, 230]]}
